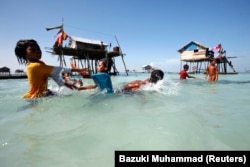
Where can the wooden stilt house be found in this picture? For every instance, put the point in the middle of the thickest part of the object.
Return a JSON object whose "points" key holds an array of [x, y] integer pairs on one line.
{"points": [[197, 56], [87, 52], [5, 71]]}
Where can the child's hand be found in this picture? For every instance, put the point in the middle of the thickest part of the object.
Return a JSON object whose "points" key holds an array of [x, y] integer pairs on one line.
{"points": [[70, 86], [84, 72]]}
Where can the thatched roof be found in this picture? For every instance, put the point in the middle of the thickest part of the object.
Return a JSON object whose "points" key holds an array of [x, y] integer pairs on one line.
{"points": [[86, 40]]}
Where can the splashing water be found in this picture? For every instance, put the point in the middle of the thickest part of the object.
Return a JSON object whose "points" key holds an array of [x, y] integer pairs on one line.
{"points": [[60, 91], [169, 87]]}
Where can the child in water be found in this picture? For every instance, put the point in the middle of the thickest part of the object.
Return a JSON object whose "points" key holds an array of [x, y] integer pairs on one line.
{"points": [[29, 53], [104, 66], [184, 74], [212, 71], [73, 81], [133, 86]]}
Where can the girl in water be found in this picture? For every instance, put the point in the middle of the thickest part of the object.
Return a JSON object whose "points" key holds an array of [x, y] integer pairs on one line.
{"points": [[29, 53]]}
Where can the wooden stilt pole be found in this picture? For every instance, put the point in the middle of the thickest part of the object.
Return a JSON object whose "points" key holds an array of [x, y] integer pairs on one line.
{"points": [[121, 55]]}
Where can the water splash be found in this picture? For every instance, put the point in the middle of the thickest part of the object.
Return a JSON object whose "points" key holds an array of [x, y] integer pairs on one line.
{"points": [[61, 91], [169, 88]]}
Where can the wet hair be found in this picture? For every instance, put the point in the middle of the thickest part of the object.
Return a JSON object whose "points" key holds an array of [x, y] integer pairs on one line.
{"points": [[185, 66], [156, 75], [211, 59], [21, 47], [107, 62]]}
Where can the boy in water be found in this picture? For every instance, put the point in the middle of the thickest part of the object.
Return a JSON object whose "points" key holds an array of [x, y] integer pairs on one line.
{"points": [[29, 53], [184, 74], [104, 66], [212, 71], [133, 86]]}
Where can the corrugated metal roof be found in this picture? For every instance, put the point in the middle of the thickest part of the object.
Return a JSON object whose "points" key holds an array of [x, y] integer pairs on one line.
{"points": [[86, 40]]}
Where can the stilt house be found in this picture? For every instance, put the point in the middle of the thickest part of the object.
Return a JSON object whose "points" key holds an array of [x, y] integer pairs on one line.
{"points": [[197, 56], [86, 51], [5, 71]]}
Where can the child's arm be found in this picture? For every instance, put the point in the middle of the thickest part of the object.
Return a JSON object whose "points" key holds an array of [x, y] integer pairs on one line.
{"points": [[134, 85], [206, 73], [87, 87], [189, 76], [216, 73], [83, 72], [55, 75]]}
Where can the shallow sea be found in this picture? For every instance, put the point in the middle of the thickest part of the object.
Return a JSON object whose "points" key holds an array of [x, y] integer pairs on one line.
{"points": [[84, 128]]}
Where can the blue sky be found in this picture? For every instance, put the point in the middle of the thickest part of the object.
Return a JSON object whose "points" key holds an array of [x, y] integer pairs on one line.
{"points": [[149, 32]]}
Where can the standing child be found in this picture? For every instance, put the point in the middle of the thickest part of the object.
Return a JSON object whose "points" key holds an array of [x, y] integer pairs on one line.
{"points": [[29, 53], [184, 74], [212, 71]]}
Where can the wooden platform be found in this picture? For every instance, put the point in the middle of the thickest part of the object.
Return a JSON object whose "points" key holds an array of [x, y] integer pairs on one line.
{"points": [[91, 54]]}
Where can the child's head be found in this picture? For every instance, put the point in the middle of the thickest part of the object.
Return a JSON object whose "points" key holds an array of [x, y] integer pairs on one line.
{"points": [[212, 61], [65, 75], [156, 75], [186, 67], [27, 50], [104, 65]]}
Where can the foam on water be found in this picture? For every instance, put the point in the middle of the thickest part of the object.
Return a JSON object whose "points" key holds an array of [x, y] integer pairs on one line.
{"points": [[169, 87]]}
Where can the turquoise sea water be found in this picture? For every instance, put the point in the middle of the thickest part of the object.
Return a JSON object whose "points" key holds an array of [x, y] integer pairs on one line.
{"points": [[84, 128]]}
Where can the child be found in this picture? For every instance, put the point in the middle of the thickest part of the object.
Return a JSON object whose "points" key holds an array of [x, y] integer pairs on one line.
{"points": [[133, 86], [29, 53], [67, 79], [184, 74], [103, 81], [212, 71]]}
